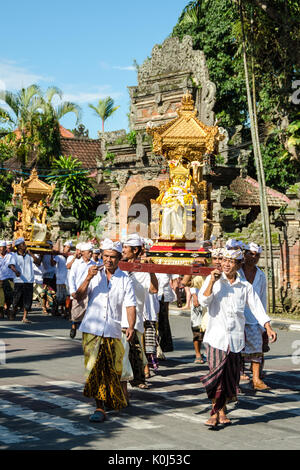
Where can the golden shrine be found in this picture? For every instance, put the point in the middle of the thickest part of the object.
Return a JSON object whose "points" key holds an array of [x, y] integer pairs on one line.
{"points": [[185, 215], [32, 224]]}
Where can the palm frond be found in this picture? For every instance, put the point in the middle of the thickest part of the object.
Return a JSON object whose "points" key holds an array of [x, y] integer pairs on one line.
{"points": [[68, 107]]}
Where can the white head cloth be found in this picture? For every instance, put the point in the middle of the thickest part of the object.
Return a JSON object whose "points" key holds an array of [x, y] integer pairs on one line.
{"points": [[9, 242], [108, 244], [232, 254], [254, 247], [216, 252], [86, 247], [69, 243], [134, 240], [20, 240], [3, 243], [233, 244], [96, 250]]}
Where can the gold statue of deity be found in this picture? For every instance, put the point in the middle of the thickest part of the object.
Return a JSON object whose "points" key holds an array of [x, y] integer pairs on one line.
{"points": [[185, 142], [31, 223]]}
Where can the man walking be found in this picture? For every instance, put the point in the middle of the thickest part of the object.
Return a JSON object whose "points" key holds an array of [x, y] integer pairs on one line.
{"points": [[225, 295], [107, 289], [22, 266], [6, 280], [77, 275]]}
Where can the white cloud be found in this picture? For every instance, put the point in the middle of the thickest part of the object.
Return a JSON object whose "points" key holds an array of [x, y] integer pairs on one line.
{"points": [[14, 77], [86, 97], [128, 67], [106, 66]]}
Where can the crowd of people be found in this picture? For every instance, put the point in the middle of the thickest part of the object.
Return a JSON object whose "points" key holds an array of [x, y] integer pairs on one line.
{"points": [[124, 316]]}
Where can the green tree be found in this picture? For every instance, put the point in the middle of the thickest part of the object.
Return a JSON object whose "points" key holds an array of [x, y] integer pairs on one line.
{"points": [[104, 109], [273, 36], [68, 174]]}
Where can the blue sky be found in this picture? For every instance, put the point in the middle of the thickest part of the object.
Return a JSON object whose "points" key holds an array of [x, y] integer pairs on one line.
{"points": [[87, 49]]}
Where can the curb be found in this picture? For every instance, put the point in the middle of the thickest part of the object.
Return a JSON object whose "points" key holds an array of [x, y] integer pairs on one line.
{"points": [[287, 324]]}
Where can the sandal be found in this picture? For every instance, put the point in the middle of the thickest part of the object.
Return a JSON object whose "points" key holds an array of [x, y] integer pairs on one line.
{"points": [[143, 386], [26, 321], [98, 416], [199, 360]]}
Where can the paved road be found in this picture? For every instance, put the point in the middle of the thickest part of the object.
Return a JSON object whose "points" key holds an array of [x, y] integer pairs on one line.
{"points": [[42, 406]]}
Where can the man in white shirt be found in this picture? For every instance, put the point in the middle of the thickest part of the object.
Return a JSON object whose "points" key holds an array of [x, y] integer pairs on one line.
{"points": [[107, 289], [61, 274], [165, 295], [77, 275], [253, 351], [47, 264], [142, 283], [225, 295], [22, 266], [6, 280]]}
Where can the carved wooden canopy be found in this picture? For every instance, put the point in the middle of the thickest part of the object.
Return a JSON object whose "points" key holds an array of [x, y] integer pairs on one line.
{"points": [[33, 189], [185, 136]]}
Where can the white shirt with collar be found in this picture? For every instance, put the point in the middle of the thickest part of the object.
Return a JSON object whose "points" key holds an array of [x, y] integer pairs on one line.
{"points": [[78, 273], [141, 284], [23, 264], [61, 270], [260, 286], [226, 318], [5, 271], [105, 303]]}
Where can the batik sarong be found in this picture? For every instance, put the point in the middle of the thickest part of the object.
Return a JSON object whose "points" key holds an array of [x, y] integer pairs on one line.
{"points": [[151, 342], [103, 359], [253, 351], [164, 329], [137, 359], [221, 383]]}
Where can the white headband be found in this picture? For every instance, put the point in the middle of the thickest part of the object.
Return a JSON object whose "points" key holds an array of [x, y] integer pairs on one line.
{"points": [[20, 240], [232, 254], [108, 244], [134, 240], [254, 247]]}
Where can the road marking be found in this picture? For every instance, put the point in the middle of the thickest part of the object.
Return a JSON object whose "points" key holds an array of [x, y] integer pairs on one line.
{"points": [[14, 437], [49, 397], [38, 333], [45, 419]]}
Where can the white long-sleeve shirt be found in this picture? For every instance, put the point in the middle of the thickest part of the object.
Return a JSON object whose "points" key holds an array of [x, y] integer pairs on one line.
{"points": [[78, 273], [105, 302], [226, 318], [260, 286], [141, 285]]}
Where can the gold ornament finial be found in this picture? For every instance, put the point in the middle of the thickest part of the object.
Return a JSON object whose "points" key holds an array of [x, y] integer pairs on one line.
{"points": [[187, 102]]}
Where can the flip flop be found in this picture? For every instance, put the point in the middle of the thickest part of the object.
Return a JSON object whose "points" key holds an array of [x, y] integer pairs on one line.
{"points": [[198, 360], [98, 416], [26, 321]]}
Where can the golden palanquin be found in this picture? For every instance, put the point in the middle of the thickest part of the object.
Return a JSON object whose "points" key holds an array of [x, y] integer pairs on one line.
{"points": [[32, 224], [186, 143]]}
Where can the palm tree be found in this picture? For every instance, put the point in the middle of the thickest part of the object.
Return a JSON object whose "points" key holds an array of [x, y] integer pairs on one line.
{"points": [[23, 106], [60, 110], [104, 109]]}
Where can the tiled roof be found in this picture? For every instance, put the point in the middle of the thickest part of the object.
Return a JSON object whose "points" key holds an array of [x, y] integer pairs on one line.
{"points": [[248, 191], [88, 151]]}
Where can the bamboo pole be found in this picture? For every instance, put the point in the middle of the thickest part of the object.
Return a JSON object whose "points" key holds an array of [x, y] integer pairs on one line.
{"points": [[255, 142]]}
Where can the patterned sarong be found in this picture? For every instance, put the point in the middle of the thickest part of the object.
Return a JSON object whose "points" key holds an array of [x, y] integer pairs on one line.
{"points": [[137, 360], [221, 383], [164, 329], [151, 342], [103, 359]]}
